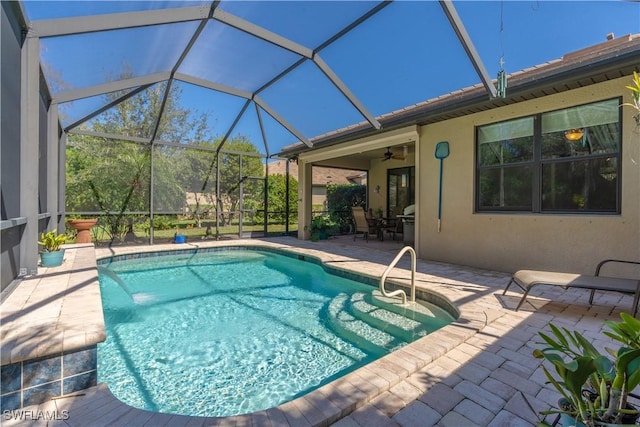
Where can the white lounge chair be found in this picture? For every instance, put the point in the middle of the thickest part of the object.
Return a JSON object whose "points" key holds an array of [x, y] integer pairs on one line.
{"points": [[527, 279]]}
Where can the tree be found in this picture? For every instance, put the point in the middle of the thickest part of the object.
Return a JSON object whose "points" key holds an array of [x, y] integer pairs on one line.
{"points": [[197, 176], [277, 194], [235, 171], [108, 176], [114, 176]]}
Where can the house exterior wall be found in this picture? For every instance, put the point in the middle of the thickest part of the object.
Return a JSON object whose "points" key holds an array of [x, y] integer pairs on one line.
{"points": [[509, 241]]}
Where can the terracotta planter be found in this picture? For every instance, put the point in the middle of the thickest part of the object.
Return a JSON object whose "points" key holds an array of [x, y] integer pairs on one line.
{"points": [[83, 226]]}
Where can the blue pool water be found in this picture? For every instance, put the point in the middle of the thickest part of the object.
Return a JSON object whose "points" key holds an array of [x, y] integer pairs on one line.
{"points": [[229, 332]]}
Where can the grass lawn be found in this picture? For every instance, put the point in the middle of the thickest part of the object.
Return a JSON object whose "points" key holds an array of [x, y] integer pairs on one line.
{"points": [[98, 233]]}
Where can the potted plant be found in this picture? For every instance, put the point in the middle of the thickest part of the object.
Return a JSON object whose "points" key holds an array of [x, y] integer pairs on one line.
{"points": [[635, 97], [594, 387], [314, 234], [51, 254], [322, 226]]}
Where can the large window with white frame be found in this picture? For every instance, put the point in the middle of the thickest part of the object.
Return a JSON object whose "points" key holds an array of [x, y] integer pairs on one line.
{"points": [[564, 161]]}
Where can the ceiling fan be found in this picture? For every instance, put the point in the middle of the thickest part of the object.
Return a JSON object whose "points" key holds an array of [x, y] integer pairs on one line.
{"points": [[388, 155]]}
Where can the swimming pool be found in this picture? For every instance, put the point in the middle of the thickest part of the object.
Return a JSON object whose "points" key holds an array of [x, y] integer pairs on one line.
{"points": [[235, 331]]}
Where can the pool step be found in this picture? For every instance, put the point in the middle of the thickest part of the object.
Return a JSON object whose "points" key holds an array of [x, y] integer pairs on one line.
{"points": [[387, 317], [367, 337], [422, 312]]}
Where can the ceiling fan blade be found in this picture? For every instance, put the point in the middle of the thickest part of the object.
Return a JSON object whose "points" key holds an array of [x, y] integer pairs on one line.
{"points": [[404, 155]]}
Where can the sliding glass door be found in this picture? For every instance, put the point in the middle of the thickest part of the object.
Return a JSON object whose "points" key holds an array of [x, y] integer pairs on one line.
{"points": [[400, 187]]}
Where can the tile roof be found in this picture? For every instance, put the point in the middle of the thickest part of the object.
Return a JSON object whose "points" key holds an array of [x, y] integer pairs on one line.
{"points": [[320, 175]]}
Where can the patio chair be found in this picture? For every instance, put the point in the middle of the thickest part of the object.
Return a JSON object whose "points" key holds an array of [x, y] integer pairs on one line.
{"points": [[363, 224], [393, 224], [393, 227]]}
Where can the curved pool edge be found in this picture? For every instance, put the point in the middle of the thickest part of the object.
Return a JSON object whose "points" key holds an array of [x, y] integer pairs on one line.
{"points": [[335, 400], [321, 407], [404, 283]]}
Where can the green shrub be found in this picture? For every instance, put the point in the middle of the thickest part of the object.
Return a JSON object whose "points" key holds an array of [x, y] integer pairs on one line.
{"points": [[323, 224], [162, 223]]}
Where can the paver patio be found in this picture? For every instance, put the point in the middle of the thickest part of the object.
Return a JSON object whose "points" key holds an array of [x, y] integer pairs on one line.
{"points": [[482, 376]]}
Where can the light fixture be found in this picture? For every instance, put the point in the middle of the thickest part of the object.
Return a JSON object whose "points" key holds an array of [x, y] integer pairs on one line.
{"points": [[574, 134], [377, 189]]}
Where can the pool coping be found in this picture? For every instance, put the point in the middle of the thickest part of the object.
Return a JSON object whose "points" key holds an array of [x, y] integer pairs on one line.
{"points": [[338, 398], [54, 311]]}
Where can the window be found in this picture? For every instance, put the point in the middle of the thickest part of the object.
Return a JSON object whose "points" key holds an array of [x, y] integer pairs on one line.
{"points": [[565, 161]]}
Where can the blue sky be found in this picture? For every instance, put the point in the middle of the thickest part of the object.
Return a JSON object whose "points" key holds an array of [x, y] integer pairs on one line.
{"points": [[405, 54]]}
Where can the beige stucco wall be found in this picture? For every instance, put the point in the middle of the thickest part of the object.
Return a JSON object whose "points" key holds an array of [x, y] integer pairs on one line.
{"points": [[508, 242]]}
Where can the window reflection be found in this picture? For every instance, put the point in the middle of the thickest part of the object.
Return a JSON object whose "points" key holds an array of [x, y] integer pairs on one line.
{"points": [[578, 166], [400, 184]]}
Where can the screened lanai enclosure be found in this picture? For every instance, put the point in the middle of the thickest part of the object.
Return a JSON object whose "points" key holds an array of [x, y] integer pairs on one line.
{"points": [[164, 120], [163, 117], [141, 191]]}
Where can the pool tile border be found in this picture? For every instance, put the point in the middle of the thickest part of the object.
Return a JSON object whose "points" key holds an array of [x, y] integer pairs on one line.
{"points": [[34, 381]]}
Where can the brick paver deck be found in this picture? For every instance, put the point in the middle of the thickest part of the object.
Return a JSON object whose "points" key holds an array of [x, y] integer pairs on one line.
{"points": [[475, 374]]}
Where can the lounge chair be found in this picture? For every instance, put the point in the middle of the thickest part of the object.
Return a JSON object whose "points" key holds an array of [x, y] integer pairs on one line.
{"points": [[363, 224], [527, 279]]}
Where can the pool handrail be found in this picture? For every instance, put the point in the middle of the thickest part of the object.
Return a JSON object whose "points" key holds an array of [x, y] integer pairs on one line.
{"points": [[393, 263]]}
